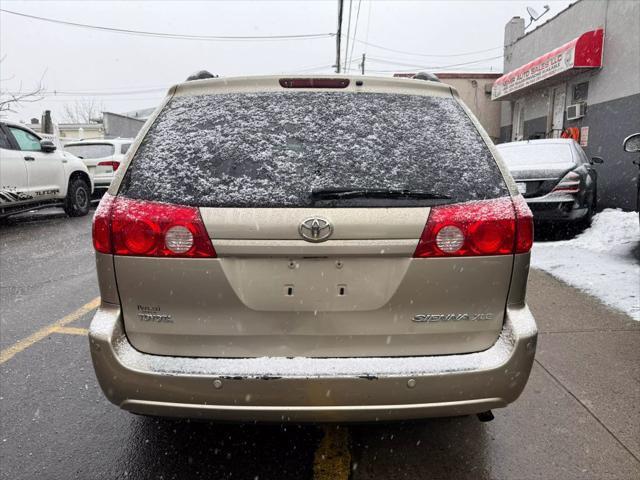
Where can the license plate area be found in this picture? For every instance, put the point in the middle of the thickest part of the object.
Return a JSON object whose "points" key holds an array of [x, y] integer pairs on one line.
{"points": [[314, 284], [522, 187]]}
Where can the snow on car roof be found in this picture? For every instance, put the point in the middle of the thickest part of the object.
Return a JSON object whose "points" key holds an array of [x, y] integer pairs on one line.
{"points": [[266, 83], [99, 141], [541, 141]]}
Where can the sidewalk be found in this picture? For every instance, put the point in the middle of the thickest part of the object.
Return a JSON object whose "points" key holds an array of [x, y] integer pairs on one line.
{"points": [[578, 418], [593, 351]]}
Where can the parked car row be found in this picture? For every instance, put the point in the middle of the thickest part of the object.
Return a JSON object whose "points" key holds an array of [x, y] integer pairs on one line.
{"points": [[36, 173]]}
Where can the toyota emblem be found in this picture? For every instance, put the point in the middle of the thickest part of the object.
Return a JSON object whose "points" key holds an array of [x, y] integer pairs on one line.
{"points": [[315, 229]]}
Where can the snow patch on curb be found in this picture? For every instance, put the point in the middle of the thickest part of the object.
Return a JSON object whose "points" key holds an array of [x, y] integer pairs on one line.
{"points": [[600, 260]]}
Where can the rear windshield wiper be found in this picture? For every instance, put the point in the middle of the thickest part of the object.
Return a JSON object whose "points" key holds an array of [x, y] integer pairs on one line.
{"points": [[336, 193]]}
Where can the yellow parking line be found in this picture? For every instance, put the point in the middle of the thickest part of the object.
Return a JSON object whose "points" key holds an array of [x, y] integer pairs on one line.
{"points": [[332, 460], [72, 330], [35, 337]]}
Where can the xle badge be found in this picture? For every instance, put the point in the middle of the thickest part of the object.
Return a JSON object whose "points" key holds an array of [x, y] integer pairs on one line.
{"points": [[147, 313]]}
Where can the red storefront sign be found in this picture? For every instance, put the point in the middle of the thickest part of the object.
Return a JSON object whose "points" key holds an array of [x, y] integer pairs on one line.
{"points": [[582, 52]]}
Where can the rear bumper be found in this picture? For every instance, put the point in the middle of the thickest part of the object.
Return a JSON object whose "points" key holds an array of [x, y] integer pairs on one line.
{"points": [[102, 180], [556, 208], [312, 389], [102, 185]]}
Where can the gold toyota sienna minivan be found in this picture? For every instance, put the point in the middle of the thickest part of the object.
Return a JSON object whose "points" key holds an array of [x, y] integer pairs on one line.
{"points": [[312, 249]]}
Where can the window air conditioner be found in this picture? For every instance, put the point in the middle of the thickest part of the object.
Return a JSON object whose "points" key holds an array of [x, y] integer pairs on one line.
{"points": [[577, 110]]}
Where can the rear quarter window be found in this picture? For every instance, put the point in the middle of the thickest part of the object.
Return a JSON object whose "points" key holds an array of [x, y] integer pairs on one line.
{"points": [[272, 149]]}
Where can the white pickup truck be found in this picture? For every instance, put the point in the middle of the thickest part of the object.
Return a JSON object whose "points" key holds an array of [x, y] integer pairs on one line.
{"points": [[35, 174]]}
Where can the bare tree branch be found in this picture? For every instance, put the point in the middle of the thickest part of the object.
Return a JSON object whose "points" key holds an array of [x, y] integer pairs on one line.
{"points": [[86, 110], [10, 100]]}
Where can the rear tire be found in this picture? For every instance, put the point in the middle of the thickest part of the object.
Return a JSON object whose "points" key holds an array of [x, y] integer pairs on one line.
{"points": [[585, 222], [78, 199]]}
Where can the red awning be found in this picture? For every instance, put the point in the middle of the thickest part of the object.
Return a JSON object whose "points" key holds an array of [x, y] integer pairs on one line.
{"points": [[582, 52]]}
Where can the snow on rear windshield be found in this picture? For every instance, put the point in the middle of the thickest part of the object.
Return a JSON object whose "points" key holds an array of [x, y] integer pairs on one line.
{"points": [[272, 149]]}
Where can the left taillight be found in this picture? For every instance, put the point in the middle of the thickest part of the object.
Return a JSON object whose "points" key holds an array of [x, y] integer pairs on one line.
{"points": [[123, 226]]}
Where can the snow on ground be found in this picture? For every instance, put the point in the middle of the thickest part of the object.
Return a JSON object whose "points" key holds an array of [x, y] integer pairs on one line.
{"points": [[602, 260]]}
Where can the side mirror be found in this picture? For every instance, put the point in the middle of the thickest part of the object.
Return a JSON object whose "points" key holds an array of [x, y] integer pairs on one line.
{"points": [[47, 146], [632, 143], [597, 160]]}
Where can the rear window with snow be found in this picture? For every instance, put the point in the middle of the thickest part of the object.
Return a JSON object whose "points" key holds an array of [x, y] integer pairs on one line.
{"points": [[272, 149], [90, 150], [523, 154]]}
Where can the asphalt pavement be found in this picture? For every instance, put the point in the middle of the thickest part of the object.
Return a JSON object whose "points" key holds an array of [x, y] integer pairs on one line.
{"points": [[578, 418]]}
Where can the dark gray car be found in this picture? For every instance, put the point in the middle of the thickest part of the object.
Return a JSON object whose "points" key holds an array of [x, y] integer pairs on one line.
{"points": [[556, 178]]}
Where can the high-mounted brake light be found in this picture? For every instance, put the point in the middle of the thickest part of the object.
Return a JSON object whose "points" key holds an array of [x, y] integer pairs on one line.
{"points": [[122, 226], [486, 227], [314, 82], [109, 163], [570, 183]]}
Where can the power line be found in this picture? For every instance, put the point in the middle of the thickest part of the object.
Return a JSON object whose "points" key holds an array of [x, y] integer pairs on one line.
{"points": [[67, 100], [346, 50], [391, 62], [310, 68], [119, 89], [175, 36], [66, 93], [368, 25], [474, 69], [355, 30], [465, 54], [110, 95]]}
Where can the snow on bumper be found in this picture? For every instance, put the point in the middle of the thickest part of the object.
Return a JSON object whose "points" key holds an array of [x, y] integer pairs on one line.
{"points": [[312, 389]]}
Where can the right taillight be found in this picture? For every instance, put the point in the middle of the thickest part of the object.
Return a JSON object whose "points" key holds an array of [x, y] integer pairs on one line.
{"points": [[524, 225], [123, 226], [499, 226]]}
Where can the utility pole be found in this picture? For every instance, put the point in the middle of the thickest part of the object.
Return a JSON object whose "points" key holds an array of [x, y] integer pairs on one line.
{"points": [[362, 64], [47, 123], [339, 35]]}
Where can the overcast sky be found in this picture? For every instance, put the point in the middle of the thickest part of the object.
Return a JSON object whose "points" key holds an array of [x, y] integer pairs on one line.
{"points": [[106, 66]]}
